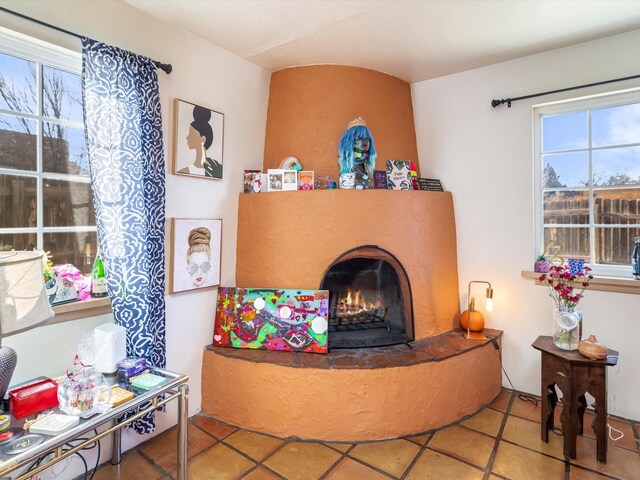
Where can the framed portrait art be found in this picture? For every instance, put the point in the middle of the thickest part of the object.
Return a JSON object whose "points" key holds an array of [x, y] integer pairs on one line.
{"points": [[195, 254], [198, 140]]}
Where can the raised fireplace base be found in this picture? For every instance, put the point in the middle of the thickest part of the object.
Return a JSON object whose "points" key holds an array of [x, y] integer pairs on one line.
{"points": [[353, 395]]}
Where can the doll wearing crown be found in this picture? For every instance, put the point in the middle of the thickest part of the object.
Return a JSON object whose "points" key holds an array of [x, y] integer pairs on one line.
{"points": [[357, 152]]}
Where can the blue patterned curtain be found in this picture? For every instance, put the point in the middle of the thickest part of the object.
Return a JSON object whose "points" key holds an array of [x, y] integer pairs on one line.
{"points": [[124, 137]]}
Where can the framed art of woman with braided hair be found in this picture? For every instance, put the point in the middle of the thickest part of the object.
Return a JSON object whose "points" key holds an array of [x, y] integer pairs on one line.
{"points": [[195, 254], [197, 145]]}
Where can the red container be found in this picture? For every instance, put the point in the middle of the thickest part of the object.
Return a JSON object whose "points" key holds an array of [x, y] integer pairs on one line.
{"points": [[34, 398]]}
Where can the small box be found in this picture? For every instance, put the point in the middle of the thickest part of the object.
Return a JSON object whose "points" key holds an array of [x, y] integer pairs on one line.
{"points": [[130, 367], [54, 424], [34, 398], [148, 382], [119, 395], [111, 346]]}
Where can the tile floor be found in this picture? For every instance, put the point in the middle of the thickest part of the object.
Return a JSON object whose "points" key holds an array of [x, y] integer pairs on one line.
{"points": [[500, 442]]}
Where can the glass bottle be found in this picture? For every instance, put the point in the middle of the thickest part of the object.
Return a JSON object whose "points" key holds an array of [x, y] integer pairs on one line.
{"points": [[98, 278], [635, 258]]}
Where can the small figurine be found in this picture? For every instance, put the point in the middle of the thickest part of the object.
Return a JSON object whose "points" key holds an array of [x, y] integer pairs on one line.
{"points": [[357, 151]]}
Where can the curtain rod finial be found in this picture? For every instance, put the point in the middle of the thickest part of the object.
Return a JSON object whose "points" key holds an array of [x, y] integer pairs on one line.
{"points": [[165, 67]]}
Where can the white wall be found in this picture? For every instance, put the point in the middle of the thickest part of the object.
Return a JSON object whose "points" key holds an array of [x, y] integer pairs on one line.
{"points": [[202, 74], [484, 156]]}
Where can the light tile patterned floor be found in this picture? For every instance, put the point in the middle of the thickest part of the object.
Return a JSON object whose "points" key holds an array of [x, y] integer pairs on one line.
{"points": [[500, 442]]}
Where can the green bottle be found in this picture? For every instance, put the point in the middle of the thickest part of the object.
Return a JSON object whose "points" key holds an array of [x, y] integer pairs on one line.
{"points": [[98, 278]]}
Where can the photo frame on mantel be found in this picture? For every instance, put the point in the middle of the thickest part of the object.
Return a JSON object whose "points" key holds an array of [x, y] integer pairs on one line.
{"points": [[194, 261], [198, 140]]}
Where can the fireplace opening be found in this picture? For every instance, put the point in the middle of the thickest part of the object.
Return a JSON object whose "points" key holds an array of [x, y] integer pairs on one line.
{"points": [[369, 299]]}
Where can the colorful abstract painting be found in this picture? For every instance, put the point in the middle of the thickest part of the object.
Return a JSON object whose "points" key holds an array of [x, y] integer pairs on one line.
{"points": [[272, 319]]}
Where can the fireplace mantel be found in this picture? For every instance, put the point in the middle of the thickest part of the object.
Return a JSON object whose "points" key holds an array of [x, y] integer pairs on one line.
{"points": [[288, 239]]}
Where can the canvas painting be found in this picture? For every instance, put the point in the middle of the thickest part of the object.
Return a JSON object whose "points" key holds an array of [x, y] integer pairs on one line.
{"points": [[198, 140], [195, 254], [272, 319]]}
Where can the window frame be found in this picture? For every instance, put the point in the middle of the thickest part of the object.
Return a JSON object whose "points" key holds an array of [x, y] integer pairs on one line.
{"points": [[42, 54], [580, 104]]}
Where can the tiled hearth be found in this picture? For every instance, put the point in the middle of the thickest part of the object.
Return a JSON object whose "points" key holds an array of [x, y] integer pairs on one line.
{"points": [[339, 396], [502, 441], [432, 349]]}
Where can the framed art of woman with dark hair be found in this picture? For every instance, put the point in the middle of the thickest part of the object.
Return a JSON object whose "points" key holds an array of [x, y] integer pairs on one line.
{"points": [[198, 141]]}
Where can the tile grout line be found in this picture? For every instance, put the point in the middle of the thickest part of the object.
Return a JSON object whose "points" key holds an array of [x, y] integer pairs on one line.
{"points": [[417, 457], [413, 463], [602, 474], [492, 457], [569, 464], [453, 457], [150, 460], [372, 467], [333, 466]]}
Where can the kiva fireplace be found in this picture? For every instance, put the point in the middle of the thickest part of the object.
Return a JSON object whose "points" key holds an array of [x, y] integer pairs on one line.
{"points": [[369, 299], [393, 278]]}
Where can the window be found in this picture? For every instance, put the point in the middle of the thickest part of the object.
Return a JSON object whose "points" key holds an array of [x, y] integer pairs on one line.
{"points": [[587, 179], [45, 190]]}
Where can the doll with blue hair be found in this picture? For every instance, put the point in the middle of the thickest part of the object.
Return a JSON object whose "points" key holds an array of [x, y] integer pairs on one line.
{"points": [[357, 151]]}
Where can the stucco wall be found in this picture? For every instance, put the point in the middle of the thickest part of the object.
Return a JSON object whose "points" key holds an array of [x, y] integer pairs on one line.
{"points": [[289, 239], [310, 107], [484, 156]]}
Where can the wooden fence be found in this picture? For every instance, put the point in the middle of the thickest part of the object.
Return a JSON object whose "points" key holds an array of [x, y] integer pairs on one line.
{"points": [[613, 245]]}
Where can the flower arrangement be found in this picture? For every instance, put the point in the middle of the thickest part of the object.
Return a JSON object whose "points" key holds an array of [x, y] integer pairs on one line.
{"points": [[562, 284], [566, 286]]}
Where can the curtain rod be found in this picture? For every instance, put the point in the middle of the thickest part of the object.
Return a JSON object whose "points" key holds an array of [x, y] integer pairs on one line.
{"points": [[495, 103], [165, 67]]}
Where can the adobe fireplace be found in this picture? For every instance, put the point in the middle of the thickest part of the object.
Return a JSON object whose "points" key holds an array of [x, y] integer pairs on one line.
{"points": [[370, 299], [288, 240]]}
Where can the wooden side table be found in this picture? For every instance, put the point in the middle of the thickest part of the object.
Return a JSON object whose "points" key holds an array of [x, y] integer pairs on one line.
{"points": [[574, 375]]}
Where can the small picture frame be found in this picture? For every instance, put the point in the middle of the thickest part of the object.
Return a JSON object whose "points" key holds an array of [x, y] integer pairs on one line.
{"points": [[275, 179], [306, 180], [252, 181], [289, 180], [198, 140], [195, 247]]}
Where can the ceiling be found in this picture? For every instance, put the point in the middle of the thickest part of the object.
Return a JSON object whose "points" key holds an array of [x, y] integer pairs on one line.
{"points": [[413, 40]]}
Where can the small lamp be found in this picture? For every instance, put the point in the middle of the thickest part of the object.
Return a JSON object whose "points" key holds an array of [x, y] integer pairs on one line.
{"points": [[23, 304], [471, 320]]}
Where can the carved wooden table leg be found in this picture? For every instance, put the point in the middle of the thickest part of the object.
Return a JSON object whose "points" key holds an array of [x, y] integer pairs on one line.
{"points": [[582, 406], [599, 392], [574, 375], [548, 406]]}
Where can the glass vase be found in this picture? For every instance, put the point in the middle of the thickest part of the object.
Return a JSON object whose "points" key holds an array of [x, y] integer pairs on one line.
{"points": [[567, 327]]}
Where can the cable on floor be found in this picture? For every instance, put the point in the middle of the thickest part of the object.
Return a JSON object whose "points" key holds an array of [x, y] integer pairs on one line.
{"points": [[522, 396]]}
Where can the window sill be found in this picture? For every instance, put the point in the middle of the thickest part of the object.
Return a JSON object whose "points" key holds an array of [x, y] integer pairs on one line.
{"points": [[602, 284], [73, 311]]}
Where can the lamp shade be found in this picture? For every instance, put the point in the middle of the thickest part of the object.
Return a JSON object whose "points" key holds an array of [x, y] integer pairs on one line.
{"points": [[23, 301]]}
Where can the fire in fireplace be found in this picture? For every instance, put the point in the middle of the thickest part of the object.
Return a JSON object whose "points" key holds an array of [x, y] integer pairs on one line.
{"points": [[370, 299]]}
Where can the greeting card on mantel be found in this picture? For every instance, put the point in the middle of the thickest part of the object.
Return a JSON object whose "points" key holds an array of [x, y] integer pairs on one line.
{"points": [[399, 175]]}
